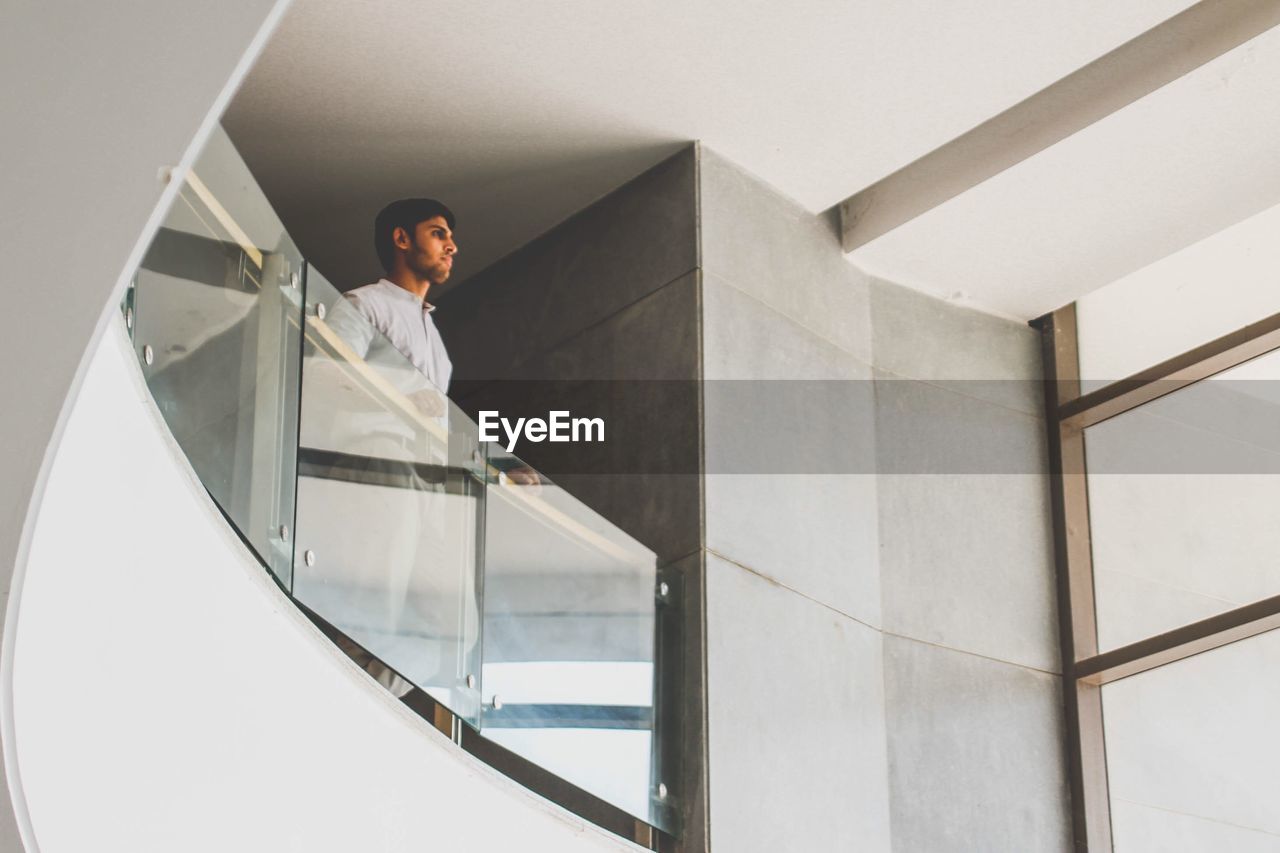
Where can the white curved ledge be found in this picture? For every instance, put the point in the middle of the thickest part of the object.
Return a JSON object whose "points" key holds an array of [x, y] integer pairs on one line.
{"points": [[168, 696]]}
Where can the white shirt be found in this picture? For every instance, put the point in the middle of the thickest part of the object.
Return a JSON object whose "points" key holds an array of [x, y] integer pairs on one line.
{"points": [[405, 323]]}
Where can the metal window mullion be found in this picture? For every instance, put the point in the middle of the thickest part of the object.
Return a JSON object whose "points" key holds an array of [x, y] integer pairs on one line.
{"points": [[1082, 701], [1183, 642], [1171, 375]]}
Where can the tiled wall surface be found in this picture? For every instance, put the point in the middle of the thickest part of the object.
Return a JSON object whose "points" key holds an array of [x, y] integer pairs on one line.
{"points": [[795, 679], [910, 603], [873, 558]]}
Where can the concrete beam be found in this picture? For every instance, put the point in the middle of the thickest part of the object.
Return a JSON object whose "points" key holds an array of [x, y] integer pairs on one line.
{"points": [[1133, 70]]}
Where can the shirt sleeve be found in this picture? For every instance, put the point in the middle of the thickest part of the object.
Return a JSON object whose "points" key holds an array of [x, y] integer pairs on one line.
{"points": [[351, 321]]}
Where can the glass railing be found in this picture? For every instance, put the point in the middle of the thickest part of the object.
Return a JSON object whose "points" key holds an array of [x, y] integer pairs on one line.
{"points": [[217, 310], [440, 563], [569, 626], [391, 500]]}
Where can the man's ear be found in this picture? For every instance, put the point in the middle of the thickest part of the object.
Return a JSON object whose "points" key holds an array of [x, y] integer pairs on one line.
{"points": [[400, 238]]}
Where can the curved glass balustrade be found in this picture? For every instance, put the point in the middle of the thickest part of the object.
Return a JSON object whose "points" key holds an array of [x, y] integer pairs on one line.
{"points": [[569, 626], [440, 562]]}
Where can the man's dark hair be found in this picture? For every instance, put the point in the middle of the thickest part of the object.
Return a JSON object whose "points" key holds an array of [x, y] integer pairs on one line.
{"points": [[405, 213]]}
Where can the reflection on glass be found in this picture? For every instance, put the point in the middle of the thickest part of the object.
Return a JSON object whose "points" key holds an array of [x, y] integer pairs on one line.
{"points": [[568, 638], [389, 507], [1192, 749], [216, 318], [1182, 496]]}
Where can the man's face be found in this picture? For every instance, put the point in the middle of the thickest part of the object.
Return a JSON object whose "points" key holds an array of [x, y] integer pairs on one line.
{"points": [[429, 253]]}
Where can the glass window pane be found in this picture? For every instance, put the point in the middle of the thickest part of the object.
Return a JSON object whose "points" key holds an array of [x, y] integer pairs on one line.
{"points": [[1182, 497], [1192, 749], [569, 624], [390, 497], [217, 318]]}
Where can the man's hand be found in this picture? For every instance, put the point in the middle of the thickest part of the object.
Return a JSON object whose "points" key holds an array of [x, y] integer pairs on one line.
{"points": [[523, 476], [429, 402]]}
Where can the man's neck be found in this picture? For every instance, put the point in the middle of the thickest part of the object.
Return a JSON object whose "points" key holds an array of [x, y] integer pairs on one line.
{"points": [[406, 279]]}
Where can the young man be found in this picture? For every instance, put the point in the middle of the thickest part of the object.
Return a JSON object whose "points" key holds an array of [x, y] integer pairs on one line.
{"points": [[414, 240], [406, 578]]}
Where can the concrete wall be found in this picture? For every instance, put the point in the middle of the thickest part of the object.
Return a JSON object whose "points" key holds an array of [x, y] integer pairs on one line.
{"points": [[874, 551], [795, 685], [104, 96], [882, 655], [976, 758]]}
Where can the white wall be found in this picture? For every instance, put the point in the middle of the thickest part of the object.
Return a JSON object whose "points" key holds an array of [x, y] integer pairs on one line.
{"points": [[99, 96], [1192, 750], [168, 697], [1207, 290]]}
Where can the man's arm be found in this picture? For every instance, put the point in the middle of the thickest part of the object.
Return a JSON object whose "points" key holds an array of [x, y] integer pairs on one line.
{"points": [[351, 321]]}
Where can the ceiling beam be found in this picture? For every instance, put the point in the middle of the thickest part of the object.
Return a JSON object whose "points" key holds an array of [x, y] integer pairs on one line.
{"points": [[1133, 70]]}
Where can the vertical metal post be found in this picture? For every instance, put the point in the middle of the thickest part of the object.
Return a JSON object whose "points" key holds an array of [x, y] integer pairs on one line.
{"points": [[1069, 496]]}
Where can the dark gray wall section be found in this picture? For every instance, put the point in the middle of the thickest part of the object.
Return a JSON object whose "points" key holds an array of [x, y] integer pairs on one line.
{"points": [[609, 255], [609, 296]]}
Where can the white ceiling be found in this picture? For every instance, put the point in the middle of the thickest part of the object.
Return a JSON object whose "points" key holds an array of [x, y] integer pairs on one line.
{"points": [[519, 113], [1172, 168]]}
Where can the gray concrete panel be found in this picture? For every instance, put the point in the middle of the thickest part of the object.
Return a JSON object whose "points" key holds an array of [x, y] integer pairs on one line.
{"points": [[771, 248], [918, 337], [745, 337], [967, 562], [796, 725], [975, 754], [813, 532], [923, 428]]}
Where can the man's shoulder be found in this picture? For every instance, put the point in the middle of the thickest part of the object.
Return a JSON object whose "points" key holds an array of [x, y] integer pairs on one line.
{"points": [[371, 300], [356, 294]]}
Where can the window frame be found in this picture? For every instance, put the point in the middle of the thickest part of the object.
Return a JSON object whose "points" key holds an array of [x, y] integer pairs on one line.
{"points": [[1068, 412]]}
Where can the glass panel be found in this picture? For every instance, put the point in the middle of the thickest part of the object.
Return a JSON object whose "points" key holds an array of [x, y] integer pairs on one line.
{"points": [[569, 639], [1182, 497], [1192, 749], [217, 325], [390, 503]]}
